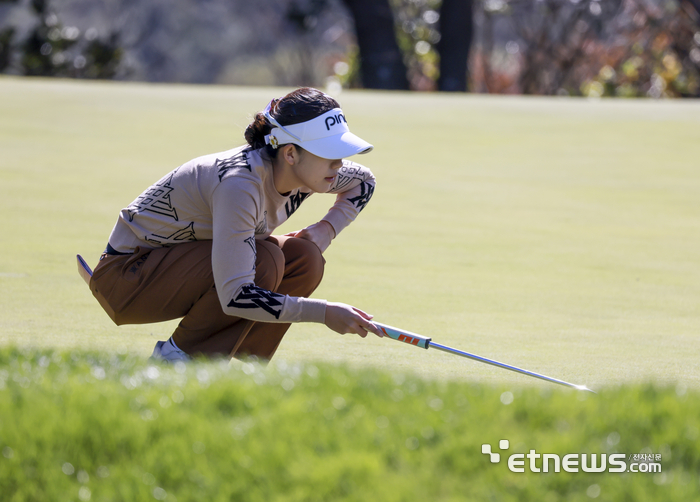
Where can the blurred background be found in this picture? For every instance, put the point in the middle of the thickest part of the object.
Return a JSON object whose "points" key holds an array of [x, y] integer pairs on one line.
{"points": [[628, 48]]}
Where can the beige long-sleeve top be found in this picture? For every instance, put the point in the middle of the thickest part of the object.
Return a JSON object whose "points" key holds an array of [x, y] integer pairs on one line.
{"points": [[230, 198]]}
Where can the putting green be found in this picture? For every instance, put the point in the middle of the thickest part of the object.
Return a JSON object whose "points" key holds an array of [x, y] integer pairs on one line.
{"points": [[559, 235]]}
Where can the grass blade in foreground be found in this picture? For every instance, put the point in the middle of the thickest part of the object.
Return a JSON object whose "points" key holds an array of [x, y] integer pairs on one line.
{"points": [[425, 343]]}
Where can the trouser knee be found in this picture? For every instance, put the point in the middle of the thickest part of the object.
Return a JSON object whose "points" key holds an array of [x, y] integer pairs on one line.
{"points": [[304, 261]]}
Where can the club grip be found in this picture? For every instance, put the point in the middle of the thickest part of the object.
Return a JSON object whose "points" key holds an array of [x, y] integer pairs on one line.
{"points": [[404, 336]]}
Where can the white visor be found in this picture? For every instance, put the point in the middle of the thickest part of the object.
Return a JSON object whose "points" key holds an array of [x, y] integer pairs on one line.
{"points": [[326, 136]]}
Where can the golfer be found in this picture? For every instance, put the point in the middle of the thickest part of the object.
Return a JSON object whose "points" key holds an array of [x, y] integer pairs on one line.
{"points": [[198, 244]]}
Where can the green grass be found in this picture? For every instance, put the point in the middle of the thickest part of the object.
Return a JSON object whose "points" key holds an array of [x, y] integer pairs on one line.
{"points": [[559, 235], [121, 429]]}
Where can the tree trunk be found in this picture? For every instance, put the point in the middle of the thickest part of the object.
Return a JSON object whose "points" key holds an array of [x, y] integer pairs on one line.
{"points": [[381, 62], [695, 4], [456, 24]]}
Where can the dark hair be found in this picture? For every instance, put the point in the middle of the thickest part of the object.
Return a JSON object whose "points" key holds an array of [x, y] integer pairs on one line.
{"points": [[298, 106]]}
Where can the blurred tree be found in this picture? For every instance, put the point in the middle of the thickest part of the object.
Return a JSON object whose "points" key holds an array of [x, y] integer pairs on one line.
{"points": [[555, 35], [590, 47], [102, 58], [435, 37], [381, 61], [43, 52], [566, 47], [303, 18], [6, 36], [417, 35], [456, 24], [52, 49]]}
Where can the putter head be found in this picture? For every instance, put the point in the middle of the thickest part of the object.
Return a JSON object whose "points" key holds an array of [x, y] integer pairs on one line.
{"points": [[84, 270]]}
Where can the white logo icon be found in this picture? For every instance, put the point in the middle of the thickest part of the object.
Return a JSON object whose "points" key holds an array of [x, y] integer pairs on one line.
{"points": [[503, 444]]}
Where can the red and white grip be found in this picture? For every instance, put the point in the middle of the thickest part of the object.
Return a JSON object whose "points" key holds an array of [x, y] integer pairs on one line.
{"points": [[404, 336]]}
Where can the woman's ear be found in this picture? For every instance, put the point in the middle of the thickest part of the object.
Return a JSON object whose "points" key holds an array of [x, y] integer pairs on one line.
{"points": [[290, 154]]}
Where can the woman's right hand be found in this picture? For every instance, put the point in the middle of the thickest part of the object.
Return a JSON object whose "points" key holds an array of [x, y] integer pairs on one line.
{"points": [[343, 318]]}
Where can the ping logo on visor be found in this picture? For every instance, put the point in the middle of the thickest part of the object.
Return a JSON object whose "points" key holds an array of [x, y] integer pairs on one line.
{"points": [[326, 136], [331, 121]]}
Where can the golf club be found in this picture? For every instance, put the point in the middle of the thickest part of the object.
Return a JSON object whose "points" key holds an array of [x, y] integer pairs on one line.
{"points": [[425, 343]]}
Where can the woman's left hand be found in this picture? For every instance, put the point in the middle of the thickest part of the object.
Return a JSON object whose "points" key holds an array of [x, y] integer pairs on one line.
{"points": [[321, 234]]}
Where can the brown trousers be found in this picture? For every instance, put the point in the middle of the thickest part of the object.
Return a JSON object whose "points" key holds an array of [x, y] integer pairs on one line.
{"points": [[154, 285]]}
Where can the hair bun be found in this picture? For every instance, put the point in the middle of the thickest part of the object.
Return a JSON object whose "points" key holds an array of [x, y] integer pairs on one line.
{"points": [[257, 130]]}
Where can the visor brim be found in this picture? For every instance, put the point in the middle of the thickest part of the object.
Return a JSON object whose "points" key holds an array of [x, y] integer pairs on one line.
{"points": [[337, 147]]}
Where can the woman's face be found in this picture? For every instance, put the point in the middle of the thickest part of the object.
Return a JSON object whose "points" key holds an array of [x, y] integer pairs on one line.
{"points": [[317, 173]]}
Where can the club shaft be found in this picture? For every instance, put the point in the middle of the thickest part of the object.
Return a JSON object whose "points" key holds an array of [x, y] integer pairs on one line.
{"points": [[427, 343], [445, 348]]}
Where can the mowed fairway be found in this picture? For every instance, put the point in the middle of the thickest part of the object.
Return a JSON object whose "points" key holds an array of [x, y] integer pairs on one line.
{"points": [[558, 235]]}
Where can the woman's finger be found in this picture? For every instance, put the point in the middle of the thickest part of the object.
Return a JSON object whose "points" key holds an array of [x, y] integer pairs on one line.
{"points": [[363, 314], [371, 327]]}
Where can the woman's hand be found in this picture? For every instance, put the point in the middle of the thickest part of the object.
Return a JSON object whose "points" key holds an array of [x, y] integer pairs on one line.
{"points": [[321, 234], [343, 318]]}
